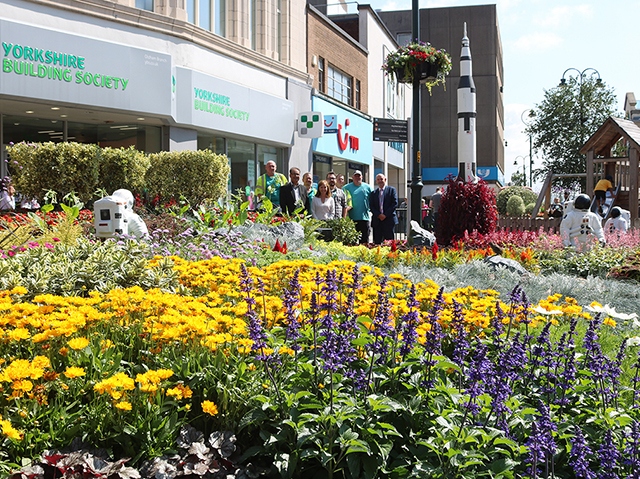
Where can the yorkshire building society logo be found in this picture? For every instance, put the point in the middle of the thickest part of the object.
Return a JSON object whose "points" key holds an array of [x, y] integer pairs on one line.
{"points": [[310, 124]]}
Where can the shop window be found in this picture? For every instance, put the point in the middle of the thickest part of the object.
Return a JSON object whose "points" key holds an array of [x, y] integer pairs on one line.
{"points": [[145, 5], [339, 85], [207, 14], [358, 104]]}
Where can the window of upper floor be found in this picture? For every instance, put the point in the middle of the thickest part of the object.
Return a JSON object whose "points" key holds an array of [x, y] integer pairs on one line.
{"points": [[339, 85], [207, 14], [145, 5], [404, 38]]}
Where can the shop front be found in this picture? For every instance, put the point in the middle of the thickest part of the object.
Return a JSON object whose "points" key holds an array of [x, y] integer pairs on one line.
{"points": [[67, 84], [346, 145]]}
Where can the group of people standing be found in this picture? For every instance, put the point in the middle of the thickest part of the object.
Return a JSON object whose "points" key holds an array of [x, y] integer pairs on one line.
{"points": [[369, 208]]}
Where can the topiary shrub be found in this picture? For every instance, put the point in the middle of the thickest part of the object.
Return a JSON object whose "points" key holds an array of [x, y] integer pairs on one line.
{"points": [[62, 167], [515, 206], [465, 207], [528, 208], [526, 194], [195, 175], [344, 230], [122, 168]]}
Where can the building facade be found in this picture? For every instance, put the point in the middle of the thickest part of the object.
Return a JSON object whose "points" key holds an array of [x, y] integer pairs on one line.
{"points": [[345, 55], [227, 76], [443, 28]]}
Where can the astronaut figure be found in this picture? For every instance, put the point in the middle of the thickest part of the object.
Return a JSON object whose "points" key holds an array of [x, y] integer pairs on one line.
{"points": [[136, 225], [618, 222], [579, 225]]}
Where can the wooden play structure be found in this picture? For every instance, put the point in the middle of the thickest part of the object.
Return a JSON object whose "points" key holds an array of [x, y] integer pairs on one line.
{"points": [[601, 162]]}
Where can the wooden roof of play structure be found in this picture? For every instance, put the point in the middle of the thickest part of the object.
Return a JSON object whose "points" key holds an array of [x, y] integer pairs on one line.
{"points": [[603, 140], [624, 170]]}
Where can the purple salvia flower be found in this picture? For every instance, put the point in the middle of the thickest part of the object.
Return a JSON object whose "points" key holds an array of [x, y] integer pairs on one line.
{"points": [[480, 369], [631, 456], [290, 300], [579, 456], [408, 324], [460, 342], [541, 444], [381, 325], [609, 456], [256, 329]]}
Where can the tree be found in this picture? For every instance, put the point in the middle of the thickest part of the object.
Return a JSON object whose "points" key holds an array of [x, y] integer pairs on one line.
{"points": [[518, 178], [565, 119]]}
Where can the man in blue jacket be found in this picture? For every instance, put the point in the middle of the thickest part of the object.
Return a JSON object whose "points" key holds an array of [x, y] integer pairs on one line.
{"points": [[383, 202]]}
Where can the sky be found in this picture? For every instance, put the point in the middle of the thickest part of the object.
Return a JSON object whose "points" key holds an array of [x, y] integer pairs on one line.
{"points": [[541, 39]]}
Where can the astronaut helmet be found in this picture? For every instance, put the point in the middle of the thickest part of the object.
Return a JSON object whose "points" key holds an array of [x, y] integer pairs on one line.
{"points": [[582, 202], [616, 211], [125, 195]]}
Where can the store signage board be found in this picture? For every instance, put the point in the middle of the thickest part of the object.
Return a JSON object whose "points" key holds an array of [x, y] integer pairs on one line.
{"points": [[387, 129]]}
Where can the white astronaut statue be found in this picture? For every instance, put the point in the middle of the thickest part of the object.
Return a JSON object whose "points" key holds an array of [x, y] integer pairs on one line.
{"points": [[137, 226], [579, 225], [618, 221]]}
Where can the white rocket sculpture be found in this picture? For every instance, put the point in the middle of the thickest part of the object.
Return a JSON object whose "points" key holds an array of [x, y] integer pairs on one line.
{"points": [[466, 115]]}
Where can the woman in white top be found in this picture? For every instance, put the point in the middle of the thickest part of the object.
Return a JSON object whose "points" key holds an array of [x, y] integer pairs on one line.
{"points": [[7, 198], [322, 205]]}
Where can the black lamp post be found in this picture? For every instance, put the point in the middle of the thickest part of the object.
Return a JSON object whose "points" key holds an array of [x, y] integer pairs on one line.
{"points": [[524, 167], [529, 114], [581, 75], [416, 171]]}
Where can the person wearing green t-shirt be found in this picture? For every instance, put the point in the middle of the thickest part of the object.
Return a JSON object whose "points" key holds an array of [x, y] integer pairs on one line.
{"points": [[359, 212], [268, 185]]}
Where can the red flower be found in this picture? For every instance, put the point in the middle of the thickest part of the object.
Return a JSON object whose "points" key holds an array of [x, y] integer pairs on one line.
{"points": [[434, 251]]}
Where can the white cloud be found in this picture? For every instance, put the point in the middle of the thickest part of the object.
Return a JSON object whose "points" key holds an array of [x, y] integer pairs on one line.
{"points": [[564, 15], [537, 42]]}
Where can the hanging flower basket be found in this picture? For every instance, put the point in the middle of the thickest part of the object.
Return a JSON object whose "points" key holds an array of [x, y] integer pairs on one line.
{"points": [[421, 60]]}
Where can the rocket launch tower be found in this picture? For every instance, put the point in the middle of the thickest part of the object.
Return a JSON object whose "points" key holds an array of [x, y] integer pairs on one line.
{"points": [[466, 115]]}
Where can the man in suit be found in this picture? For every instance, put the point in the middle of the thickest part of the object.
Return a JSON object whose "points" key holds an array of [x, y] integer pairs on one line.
{"points": [[383, 202], [293, 195]]}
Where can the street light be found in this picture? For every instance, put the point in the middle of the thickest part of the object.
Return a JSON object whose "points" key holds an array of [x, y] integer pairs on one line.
{"points": [[581, 76], [416, 167], [529, 115], [524, 167]]}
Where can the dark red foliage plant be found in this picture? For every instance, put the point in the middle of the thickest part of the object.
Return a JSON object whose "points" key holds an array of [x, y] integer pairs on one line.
{"points": [[465, 207]]}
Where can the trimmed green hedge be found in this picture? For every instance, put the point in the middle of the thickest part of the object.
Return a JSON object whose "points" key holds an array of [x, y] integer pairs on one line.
{"points": [[81, 168]]}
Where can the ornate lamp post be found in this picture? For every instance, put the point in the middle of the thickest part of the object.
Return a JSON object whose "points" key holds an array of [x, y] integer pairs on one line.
{"points": [[524, 167], [416, 168], [527, 119], [580, 77]]}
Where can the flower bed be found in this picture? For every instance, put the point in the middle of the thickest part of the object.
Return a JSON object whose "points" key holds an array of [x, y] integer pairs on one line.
{"points": [[234, 359]]}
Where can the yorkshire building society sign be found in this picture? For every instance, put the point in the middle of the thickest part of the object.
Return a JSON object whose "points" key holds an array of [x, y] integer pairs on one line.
{"points": [[44, 64], [216, 104]]}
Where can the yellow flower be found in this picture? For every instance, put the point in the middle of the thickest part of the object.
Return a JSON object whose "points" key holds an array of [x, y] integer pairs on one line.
{"points": [[78, 343], [180, 392], [9, 431], [73, 372], [123, 405], [209, 407]]}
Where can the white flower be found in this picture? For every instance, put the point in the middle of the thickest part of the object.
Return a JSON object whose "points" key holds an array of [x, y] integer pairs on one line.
{"points": [[633, 341], [547, 312], [610, 312]]}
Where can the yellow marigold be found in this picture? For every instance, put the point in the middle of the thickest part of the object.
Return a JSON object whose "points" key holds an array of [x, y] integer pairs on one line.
{"points": [[18, 334], [123, 405], [22, 385], [286, 350], [180, 392], [115, 384], [73, 372], [209, 407], [78, 343], [9, 431]]}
